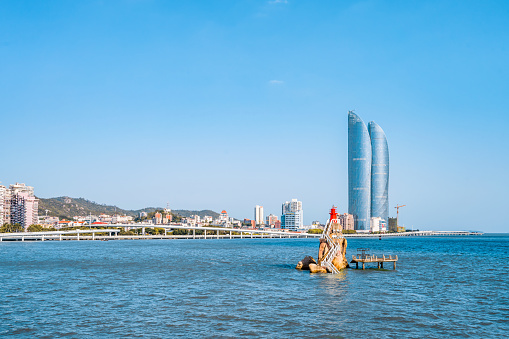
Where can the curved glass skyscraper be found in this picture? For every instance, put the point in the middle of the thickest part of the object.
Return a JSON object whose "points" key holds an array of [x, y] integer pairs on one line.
{"points": [[379, 173], [359, 172]]}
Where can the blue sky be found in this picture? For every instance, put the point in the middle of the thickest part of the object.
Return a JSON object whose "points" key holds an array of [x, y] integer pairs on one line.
{"points": [[229, 104]]}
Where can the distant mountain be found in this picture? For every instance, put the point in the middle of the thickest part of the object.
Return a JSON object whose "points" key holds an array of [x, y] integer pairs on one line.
{"points": [[66, 207], [186, 213]]}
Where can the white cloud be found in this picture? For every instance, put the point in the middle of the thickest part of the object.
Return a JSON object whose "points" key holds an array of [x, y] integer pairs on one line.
{"points": [[276, 82]]}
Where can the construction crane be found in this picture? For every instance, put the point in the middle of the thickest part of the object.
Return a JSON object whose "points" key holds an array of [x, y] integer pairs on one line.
{"points": [[397, 213]]}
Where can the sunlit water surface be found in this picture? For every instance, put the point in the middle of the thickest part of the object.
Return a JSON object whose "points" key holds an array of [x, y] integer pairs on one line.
{"points": [[442, 287]]}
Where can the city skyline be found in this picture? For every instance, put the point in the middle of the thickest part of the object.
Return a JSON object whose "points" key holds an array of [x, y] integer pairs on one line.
{"points": [[176, 102]]}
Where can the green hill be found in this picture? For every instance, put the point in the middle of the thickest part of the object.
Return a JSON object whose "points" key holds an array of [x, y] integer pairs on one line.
{"points": [[66, 208]]}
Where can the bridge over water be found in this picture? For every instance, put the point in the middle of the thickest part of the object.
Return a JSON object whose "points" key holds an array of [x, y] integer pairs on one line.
{"points": [[208, 233]]}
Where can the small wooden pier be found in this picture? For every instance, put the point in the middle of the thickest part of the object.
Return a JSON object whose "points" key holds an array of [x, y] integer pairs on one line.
{"points": [[363, 257]]}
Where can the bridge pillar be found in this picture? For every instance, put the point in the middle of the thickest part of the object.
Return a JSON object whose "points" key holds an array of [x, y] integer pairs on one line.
{"points": [[22, 238], [194, 233], [230, 234], [240, 235], [78, 236], [60, 236], [93, 236], [143, 230], [42, 238], [165, 231]]}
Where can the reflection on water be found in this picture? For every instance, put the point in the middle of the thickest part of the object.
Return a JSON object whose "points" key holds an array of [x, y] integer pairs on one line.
{"points": [[443, 287]]}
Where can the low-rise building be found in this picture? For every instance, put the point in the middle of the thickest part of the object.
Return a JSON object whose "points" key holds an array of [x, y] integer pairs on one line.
{"points": [[374, 224], [393, 224], [271, 220]]}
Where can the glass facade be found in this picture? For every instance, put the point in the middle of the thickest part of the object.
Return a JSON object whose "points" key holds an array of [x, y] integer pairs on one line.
{"points": [[359, 172], [379, 173]]}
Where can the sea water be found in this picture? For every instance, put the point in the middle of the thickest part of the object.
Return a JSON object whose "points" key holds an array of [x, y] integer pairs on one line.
{"points": [[442, 287]]}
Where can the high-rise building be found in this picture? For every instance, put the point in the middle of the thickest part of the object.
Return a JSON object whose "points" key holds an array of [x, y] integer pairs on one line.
{"points": [[4, 205], [258, 215], [379, 173], [23, 205], [346, 221], [292, 215], [359, 172], [368, 172]]}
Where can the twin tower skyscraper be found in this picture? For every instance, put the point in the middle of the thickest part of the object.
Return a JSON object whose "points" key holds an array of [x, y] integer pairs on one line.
{"points": [[368, 172]]}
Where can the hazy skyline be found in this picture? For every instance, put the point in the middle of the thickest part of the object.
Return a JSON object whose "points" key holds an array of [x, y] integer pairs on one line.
{"points": [[228, 105]]}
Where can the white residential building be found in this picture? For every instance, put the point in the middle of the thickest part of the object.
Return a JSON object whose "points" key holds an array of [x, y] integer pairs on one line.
{"points": [[376, 225], [258, 215], [292, 215]]}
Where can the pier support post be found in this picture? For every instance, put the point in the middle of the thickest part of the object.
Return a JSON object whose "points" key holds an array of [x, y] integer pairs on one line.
{"points": [[205, 234], [42, 238], [194, 233], [363, 265], [93, 236], [382, 265], [60, 237], [78, 236], [143, 231], [394, 265], [251, 235], [165, 231], [241, 235], [22, 238], [356, 265], [230, 234], [217, 234]]}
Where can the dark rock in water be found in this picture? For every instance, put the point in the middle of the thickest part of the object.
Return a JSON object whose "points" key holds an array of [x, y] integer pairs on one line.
{"points": [[304, 263]]}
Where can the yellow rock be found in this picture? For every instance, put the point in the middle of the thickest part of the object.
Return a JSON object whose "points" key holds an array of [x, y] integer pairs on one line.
{"points": [[314, 268]]}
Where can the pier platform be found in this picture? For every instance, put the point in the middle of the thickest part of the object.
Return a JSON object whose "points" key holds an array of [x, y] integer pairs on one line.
{"points": [[365, 258]]}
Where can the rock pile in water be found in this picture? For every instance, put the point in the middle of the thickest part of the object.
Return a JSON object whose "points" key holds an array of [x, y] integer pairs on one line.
{"points": [[339, 260]]}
